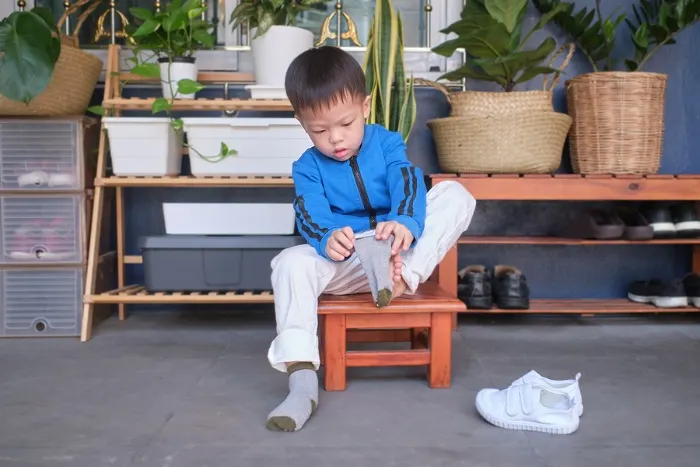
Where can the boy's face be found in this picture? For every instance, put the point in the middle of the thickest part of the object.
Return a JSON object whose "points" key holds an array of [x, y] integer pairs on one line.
{"points": [[337, 130]]}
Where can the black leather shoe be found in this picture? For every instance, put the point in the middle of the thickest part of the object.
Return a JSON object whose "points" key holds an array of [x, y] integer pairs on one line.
{"points": [[510, 289], [474, 287]]}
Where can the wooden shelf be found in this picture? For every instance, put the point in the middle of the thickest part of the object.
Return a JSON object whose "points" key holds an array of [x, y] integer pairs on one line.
{"points": [[201, 104], [515, 240], [587, 307], [190, 181], [575, 187], [138, 294]]}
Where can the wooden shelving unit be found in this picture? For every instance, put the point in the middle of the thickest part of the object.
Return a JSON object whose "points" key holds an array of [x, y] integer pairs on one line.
{"points": [[195, 182], [133, 294], [572, 187]]}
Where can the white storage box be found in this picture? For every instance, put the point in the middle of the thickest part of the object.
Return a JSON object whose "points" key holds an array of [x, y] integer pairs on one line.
{"points": [[143, 146], [41, 154], [42, 229], [41, 302], [266, 146], [229, 218]]}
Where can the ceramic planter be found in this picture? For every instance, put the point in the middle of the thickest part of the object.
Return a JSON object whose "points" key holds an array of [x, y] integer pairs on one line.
{"points": [[266, 146], [143, 146], [172, 71]]}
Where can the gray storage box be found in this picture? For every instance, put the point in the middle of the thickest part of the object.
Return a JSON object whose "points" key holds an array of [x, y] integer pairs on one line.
{"points": [[193, 263]]}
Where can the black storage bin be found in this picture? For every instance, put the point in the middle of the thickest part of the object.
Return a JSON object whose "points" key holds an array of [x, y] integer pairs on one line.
{"points": [[196, 263]]}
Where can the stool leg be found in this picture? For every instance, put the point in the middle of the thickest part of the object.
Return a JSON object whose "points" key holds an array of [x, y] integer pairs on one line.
{"points": [[440, 368], [335, 336]]}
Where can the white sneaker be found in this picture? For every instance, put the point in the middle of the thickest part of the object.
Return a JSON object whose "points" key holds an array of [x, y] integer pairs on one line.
{"points": [[569, 386], [530, 406]]}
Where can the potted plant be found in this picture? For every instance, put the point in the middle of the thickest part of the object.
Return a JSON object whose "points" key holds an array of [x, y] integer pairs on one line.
{"points": [[618, 115], [275, 40], [41, 72], [153, 146], [393, 101], [172, 36], [501, 131]]}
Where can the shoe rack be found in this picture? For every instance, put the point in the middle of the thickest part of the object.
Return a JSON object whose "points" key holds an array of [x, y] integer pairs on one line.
{"points": [[572, 187], [45, 189]]}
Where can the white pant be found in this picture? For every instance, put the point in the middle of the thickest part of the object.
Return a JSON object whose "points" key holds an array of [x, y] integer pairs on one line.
{"points": [[300, 275]]}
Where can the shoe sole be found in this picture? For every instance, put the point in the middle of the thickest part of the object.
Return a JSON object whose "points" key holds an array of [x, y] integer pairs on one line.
{"points": [[695, 301], [664, 229], [513, 303], [660, 302], [528, 426], [688, 229], [478, 303]]}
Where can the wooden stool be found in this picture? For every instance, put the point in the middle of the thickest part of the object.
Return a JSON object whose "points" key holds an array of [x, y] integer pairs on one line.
{"points": [[426, 321]]}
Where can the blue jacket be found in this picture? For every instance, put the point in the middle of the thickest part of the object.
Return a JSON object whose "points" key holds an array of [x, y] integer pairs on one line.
{"points": [[378, 184]]}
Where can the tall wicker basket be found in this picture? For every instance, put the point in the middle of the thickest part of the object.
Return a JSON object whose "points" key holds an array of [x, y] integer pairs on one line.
{"points": [[73, 82], [618, 122]]}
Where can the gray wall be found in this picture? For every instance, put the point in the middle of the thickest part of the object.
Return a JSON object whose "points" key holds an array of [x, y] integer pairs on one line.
{"points": [[553, 271]]}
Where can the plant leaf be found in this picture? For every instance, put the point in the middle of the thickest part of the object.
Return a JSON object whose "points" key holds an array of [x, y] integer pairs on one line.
{"points": [[141, 13], [148, 70], [533, 72], [96, 109], [204, 38], [148, 27], [506, 12], [188, 86], [160, 104], [28, 55]]}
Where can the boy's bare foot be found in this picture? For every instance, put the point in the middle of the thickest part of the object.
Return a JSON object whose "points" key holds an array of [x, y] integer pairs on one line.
{"points": [[398, 284]]}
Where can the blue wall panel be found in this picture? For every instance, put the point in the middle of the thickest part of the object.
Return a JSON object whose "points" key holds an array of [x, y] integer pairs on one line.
{"points": [[553, 271]]}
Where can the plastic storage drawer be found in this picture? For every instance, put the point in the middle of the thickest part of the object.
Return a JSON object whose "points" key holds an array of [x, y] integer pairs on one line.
{"points": [[211, 263], [41, 302], [42, 154], [42, 229]]}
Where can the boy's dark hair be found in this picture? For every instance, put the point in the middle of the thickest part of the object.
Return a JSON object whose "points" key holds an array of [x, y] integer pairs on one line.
{"points": [[322, 76]]}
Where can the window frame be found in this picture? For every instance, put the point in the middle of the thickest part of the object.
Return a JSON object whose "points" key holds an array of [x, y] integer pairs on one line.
{"points": [[234, 56]]}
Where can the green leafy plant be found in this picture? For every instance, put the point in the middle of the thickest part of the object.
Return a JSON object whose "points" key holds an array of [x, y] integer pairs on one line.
{"points": [[393, 101], [655, 24], [29, 49], [490, 33], [178, 31], [263, 14]]}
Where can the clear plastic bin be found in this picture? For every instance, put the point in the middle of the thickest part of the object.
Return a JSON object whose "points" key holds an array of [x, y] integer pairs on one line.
{"points": [[42, 229], [41, 302], [42, 154]]}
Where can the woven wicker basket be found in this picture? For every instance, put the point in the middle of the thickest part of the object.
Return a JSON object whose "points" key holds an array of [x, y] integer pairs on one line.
{"points": [[618, 122], [72, 84], [526, 142], [473, 103]]}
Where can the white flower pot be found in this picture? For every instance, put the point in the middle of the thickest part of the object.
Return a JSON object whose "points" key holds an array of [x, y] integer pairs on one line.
{"points": [[145, 146], [266, 146], [274, 51], [171, 72]]}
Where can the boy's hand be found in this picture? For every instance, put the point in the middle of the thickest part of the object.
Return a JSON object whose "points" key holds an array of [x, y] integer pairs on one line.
{"points": [[402, 236], [340, 244]]}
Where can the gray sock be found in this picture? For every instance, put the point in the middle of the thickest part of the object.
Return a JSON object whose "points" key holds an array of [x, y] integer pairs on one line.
{"points": [[300, 404], [375, 256]]}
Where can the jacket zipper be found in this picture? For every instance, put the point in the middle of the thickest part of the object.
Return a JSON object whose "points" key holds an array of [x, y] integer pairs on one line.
{"points": [[363, 192]]}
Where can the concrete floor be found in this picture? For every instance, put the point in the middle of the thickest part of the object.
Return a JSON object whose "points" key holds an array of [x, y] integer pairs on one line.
{"points": [[193, 389]]}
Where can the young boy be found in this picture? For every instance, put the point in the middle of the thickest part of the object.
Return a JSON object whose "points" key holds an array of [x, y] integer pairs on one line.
{"points": [[355, 178]]}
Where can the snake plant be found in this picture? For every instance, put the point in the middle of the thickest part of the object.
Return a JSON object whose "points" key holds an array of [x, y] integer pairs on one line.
{"points": [[393, 101]]}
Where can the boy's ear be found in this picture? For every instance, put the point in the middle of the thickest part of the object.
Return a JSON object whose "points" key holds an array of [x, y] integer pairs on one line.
{"points": [[365, 106]]}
